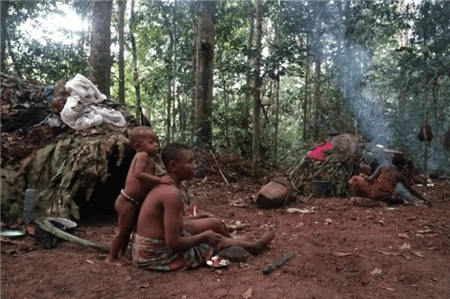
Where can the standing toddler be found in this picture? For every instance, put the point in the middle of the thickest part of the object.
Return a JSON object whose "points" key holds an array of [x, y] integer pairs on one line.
{"points": [[140, 179]]}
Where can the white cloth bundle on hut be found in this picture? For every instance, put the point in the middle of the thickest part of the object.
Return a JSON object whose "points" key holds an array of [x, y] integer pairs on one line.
{"points": [[81, 110]]}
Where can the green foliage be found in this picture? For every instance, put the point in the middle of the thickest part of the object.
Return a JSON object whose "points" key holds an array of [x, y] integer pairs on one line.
{"points": [[366, 83], [43, 59], [51, 61]]}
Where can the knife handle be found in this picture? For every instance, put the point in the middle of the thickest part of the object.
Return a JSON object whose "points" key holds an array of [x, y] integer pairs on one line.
{"points": [[269, 269]]}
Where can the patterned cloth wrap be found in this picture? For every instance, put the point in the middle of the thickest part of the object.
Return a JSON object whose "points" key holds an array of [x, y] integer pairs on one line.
{"points": [[151, 254]]}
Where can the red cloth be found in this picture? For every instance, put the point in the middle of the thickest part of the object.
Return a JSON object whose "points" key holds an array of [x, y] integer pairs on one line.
{"points": [[318, 154]]}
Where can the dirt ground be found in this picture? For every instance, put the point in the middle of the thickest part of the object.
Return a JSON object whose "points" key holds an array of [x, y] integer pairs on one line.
{"points": [[340, 251]]}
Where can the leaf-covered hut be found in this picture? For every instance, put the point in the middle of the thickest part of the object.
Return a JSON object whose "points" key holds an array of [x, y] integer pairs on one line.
{"points": [[66, 166], [340, 162]]}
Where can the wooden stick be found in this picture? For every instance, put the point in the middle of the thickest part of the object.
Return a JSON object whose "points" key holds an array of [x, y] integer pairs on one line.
{"points": [[225, 179], [49, 227]]}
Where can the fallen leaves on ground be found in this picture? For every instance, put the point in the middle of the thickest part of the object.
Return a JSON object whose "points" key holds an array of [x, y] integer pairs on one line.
{"points": [[247, 293], [376, 271], [342, 254], [405, 246], [403, 235]]}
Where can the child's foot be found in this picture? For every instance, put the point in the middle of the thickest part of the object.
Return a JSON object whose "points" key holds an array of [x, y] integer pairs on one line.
{"points": [[116, 261], [265, 240], [125, 259], [245, 237]]}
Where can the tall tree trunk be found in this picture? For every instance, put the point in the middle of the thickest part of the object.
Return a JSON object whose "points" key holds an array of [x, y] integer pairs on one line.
{"points": [[4, 15], [403, 8], [277, 87], [401, 95], [6, 42], [122, 7], [170, 88], [248, 74], [305, 103], [194, 77], [176, 94], [137, 85], [245, 146], [169, 109], [180, 115], [425, 53], [204, 73], [340, 35], [257, 92], [183, 103], [277, 110], [100, 56], [317, 99]]}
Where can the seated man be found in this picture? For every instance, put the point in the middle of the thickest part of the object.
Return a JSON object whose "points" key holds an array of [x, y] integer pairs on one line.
{"points": [[160, 242], [381, 184]]}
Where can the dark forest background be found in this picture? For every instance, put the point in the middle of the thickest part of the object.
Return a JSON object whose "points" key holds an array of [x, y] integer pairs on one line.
{"points": [[261, 79]]}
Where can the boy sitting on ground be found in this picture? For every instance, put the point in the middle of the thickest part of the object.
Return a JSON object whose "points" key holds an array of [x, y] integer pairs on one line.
{"points": [[140, 179], [160, 242]]}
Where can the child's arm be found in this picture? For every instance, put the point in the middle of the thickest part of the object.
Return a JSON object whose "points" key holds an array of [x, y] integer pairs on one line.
{"points": [[145, 170], [374, 175], [405, 183]]}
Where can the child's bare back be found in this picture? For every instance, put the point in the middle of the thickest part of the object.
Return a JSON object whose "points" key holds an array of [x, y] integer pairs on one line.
{"points": [[135, 185]]}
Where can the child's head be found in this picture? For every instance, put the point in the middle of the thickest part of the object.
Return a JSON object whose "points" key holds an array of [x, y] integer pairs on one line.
{"points": [[410, 164], [179, 159], [365, 169], [399, 161], [144, 139]]}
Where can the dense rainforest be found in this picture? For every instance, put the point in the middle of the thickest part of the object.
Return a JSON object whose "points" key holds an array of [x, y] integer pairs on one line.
{"points": [[255, 87], [261, 79]]}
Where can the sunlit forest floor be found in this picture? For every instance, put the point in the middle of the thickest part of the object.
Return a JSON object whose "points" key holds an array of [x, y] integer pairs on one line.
{"points": [[340, 251]]}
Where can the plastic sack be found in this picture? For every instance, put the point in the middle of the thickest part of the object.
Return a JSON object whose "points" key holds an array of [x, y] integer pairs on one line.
{"points": [[80, 111]]}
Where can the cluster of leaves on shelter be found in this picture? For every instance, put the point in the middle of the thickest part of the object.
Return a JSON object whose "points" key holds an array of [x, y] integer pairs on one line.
{"points": [[69, 165]]}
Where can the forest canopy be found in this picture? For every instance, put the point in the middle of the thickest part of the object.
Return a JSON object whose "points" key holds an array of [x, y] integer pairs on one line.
{"points": [[264, 79]]}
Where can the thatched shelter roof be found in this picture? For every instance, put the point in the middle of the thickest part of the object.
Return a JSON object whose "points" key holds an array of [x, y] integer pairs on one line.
{"points": [[342, 161], [61, 163]]}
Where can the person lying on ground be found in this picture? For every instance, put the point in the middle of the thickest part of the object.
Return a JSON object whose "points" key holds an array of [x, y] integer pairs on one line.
{"points": [[140, 179], [381, 184], [160, 241], [365, 170]]}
